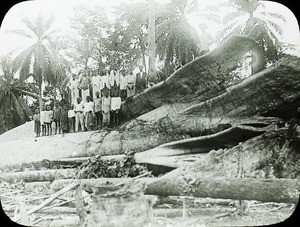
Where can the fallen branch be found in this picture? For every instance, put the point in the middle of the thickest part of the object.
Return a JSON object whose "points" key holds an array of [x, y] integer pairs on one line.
{"points": [[49, 200]]}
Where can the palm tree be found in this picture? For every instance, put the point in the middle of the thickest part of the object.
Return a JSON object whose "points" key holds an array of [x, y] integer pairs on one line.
{"points": [[12, 106], [250, 18], [176, 39], [129, 37], [40, 56]]}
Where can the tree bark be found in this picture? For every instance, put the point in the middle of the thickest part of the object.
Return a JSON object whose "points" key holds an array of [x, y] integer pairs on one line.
{"points": [[265, 190], [272, 92], [197, 81], [225, 139], [90, 183], [40, 175]]}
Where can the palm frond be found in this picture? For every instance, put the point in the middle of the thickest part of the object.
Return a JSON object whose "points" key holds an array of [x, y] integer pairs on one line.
{"points": [[21, 32]]}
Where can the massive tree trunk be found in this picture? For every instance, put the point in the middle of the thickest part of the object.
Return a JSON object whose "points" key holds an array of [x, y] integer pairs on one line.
{"points": [[195, 82]]}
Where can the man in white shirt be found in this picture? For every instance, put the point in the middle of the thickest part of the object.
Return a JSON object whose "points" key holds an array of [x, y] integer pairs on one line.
{"points": [[88, 113], [79, 115], [115, 107], [123, 85], [96, 84], [73, 85], [84, 85], [105, 81], [71, 117]]}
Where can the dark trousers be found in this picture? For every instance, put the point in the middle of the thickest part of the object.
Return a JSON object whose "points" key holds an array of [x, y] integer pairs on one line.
{"points": [[98, 120], [115, 118]]}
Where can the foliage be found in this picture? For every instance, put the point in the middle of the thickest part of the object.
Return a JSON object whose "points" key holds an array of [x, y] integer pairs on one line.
{"points": [[129, 37], [13, 109], [250, 18], [176, 39], [42, 55], [97, 167], [88, 48]]}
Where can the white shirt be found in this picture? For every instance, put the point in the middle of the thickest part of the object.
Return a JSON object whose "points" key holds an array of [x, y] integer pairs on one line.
{"points": [[43, 116], [73, 84], [79, 107], [48, 116], [123, 82], [115, 103], [88, 106], [105, 81], [111, 78], [96, 80], [71, 113]]}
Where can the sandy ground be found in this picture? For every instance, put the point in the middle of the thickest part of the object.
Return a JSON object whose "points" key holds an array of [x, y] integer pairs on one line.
{"points": [[20, 145]]}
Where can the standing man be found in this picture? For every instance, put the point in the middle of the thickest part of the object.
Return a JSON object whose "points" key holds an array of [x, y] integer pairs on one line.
{"points": [[98, 110], [84, 85], [205, 39], [140, 83], [56, 117], [96, 84], [123, 85], [79, 107], [131, 79], [73, 85]]}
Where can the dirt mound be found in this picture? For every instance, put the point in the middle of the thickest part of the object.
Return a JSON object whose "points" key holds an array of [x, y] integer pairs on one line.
{"points": [[20, 145], [21, 132]]}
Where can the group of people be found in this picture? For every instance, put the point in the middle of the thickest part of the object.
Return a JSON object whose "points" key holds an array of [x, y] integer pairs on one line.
{"points": [[95, 102]]}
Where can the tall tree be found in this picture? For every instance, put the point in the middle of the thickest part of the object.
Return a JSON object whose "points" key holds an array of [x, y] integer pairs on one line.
{"points": [[88, 46], [12, 106], [252, 19], [129, 37], [40, 56], [176, 39]]}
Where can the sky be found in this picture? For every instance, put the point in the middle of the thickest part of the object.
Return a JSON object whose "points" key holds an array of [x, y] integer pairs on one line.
{"points": [[62, 9]]}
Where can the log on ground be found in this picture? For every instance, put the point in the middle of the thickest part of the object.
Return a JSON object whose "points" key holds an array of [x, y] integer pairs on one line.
{"points": [[265, 190], [90, 183], [39, 175]]}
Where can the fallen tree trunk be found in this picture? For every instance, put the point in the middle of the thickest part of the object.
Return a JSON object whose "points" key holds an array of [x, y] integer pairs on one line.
{"points": [[272, 92], [265, 190], [202, 144], [196, 81], [190, 212], [40, 175], [90, 183]]}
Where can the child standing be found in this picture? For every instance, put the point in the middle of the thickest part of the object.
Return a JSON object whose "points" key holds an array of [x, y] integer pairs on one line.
{"points": [[71, 117], [48, 120], [37, 122]]}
